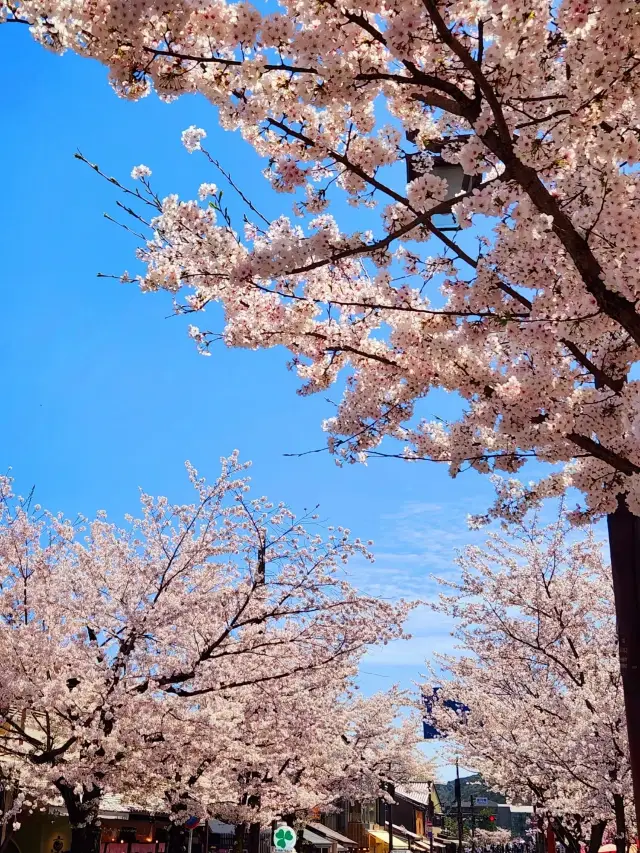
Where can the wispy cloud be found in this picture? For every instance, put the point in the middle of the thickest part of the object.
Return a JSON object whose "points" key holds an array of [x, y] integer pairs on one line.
{"points": [[413, 508], [430, 633], [415, 543]]}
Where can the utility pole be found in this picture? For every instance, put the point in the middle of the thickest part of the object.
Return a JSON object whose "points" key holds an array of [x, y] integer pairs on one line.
{"points": [[624, 545], [391, 791], [473, 825], [459, 807], [539, 830], [430, 812]]}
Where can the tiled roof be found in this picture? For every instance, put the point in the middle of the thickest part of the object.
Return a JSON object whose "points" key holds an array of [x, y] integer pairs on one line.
{"points": [[332, 834], [112, 805], [416, 791], [315, 839]]}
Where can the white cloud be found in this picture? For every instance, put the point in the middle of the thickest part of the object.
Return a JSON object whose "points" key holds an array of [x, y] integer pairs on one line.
{"points": [[430, 633], [413, 508], [415, 543]]}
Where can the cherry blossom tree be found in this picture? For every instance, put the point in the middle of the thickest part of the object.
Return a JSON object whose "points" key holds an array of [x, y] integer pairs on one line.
{"points": [[540, 676], [532, 319], [301, 746], [489, 838], [124, 648]]}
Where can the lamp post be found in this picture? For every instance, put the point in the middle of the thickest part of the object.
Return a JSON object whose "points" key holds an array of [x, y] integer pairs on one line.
{"points": [[473, 824], [459, 807], [391, 791], [431, 160]]}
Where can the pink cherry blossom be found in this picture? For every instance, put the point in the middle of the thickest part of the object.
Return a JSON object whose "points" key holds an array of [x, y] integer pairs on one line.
{"points": [[530, 315], [205, 642], [539, 101], [538, 669], [141, 171]]}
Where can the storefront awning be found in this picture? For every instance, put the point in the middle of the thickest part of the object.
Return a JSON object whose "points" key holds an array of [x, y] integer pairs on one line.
{"points": [[316, 840], [332, 835], [380, 835]]}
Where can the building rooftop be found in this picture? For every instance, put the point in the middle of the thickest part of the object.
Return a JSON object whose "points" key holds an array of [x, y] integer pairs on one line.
{"points": [[112, 806], [416, 791], [331, 834]]}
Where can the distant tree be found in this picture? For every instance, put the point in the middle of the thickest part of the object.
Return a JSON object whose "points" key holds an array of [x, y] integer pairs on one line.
{"points": [[134, 649], [533, 320], [539, 673]]}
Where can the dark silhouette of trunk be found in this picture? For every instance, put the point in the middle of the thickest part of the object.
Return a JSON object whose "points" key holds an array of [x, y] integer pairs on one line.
{"points": [[177, 838], [238, 838], [253, 839], [557, 830], [8, 837], [621, 824], [85, 839], [6, 831], [565, 836], [82, 810], [540, 843], [597, 834], [624, 545]]}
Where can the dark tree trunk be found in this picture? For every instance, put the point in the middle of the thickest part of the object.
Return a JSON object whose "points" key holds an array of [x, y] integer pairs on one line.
{"points": [[597, 834], [177, 838], [621, 824], [253, 840], [569, 839], [82, 810], [8, 837], [540, 843], [624, 544], [85, 839], [238, 838]]}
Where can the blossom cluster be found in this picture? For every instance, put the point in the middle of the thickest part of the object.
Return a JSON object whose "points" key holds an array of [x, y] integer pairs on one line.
{"points": [[539, 675], [223, 628], [538, 330]]}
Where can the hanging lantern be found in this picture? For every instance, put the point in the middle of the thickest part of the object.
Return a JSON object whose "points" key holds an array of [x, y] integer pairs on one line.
{"points": [[452, 173], [458, 182]]}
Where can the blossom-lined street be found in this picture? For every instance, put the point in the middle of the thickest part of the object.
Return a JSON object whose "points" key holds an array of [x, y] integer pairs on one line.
{"points": [[388, 252]]}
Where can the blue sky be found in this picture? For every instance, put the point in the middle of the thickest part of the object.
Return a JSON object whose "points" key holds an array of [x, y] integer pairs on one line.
{"points": [[103, 394]]}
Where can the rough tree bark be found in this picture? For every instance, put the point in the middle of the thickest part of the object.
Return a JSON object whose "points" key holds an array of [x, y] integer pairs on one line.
{"points": [[177, 839], [567, 838], [621, 824], [624, 544], [238, 838], [253, 839], [82, 810], [597, 834]]}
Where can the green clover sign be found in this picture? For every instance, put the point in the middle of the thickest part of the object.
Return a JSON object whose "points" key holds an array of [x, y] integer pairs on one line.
{"points": [[284, 838]]}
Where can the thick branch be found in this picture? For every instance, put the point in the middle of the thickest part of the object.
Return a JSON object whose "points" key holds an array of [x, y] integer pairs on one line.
{"points": [[594, 448]]}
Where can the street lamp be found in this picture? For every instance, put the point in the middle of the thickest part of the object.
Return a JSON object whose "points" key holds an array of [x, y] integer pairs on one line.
{"points": [[431, 160], [390, 788]]}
